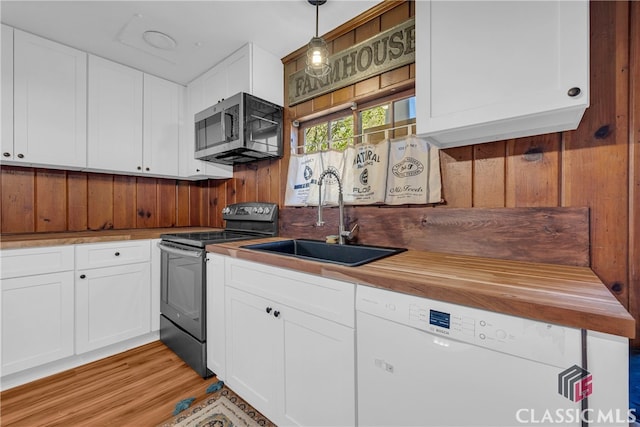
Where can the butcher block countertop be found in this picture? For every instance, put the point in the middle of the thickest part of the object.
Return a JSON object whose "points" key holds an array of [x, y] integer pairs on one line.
{"points": [[31, 240], [565, 295]]}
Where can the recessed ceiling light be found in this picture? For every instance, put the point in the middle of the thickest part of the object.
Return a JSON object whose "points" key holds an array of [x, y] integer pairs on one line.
{"points": [[159, 40]]}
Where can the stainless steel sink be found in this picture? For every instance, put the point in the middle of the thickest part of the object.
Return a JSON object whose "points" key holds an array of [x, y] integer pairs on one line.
{"points": [[315, 250]]}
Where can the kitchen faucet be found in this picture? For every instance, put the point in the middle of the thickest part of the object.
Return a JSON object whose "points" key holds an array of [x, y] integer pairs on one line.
{"points": [[342, 233]]}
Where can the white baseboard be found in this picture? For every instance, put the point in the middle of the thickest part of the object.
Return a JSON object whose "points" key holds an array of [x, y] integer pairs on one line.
{"points": [[32, 374]]}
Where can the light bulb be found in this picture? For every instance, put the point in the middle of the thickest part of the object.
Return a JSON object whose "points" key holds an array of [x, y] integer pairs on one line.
{"points": [[316, 57]]}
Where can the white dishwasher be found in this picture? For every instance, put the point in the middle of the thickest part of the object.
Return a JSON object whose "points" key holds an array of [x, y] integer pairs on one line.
{"points": [[429, 363]]}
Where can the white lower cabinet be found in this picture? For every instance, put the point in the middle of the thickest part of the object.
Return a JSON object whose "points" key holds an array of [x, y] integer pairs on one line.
{"points": [[37, 306], [215, 315], [294, 365], [112, 305], [37, 320], [318, 372], [58, 302], [113, 301], [254, 350]]}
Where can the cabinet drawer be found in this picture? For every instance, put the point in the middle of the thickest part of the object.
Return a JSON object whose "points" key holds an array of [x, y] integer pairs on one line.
{"points": [[330, 299], [110, 254], [32, 261]]}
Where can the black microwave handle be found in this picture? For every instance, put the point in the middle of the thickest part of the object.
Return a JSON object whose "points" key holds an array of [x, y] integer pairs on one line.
{"points": [[222, 125], [226, 137]]}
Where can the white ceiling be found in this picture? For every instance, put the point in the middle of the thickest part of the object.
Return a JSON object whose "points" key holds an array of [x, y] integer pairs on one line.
{"points": [[205, 31]]}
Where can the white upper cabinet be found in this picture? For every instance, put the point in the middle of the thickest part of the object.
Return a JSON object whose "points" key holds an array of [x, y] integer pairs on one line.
{"points": [[492, 70], [115, 117], [267, 75], [215, 86], [50, 103], [134, 121], [6, 93], [163, 115], [250, 69]]}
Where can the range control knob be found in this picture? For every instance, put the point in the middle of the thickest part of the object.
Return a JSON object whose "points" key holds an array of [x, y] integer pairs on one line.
{"points": [[260, 210], [266, 211], [255, 210]]}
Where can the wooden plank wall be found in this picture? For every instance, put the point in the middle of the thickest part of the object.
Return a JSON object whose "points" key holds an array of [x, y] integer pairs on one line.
{"points": [[45, 200], [597, 166], [634, 167]]}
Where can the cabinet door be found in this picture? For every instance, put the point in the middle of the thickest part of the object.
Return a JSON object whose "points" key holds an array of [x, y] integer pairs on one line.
{"points": [[238, 69], [267, 76], [189, 166], [112, 305], [50, 100], [496, 70], [214, 86], [216, 315], [254, 350], [115, 117], [163, 107], [7, 92], [319, 366], [37, 320]]}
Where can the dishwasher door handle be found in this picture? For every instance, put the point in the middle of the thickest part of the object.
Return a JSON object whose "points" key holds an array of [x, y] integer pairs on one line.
{"points": [[180, 252]]}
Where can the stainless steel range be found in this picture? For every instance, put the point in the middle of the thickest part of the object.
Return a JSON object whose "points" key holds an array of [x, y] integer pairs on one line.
{"points": [[183, 277]]}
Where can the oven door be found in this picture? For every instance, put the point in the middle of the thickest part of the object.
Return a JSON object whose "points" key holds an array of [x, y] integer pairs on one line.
{"points": [[182, 287]]}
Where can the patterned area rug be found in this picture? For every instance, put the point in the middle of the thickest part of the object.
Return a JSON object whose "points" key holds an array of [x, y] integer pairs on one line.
{"points": [[221, 409]]}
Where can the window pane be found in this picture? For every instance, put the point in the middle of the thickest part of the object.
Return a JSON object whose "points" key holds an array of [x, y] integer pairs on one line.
{"points": [[373, 120], [341, 132], [315, 138], [404, 112]]}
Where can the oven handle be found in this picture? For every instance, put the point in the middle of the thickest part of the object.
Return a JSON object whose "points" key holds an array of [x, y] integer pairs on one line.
{"points": [[179, 252]]}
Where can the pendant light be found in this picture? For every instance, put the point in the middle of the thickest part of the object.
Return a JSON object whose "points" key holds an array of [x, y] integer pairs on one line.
{"points": [[317, 52]]}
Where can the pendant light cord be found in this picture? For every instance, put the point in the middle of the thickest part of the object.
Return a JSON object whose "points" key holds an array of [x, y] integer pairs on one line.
{"points": [[317, 13]]}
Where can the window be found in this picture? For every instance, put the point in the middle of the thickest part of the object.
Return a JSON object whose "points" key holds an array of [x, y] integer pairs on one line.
{"points": [[367, 124], [338, 131]]}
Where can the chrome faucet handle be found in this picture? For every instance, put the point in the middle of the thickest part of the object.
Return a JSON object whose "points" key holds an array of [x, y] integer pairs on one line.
{"points": [[351, 234]]}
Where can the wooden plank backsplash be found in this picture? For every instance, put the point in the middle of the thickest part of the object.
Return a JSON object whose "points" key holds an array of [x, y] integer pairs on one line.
{"points": [[547, 235]]}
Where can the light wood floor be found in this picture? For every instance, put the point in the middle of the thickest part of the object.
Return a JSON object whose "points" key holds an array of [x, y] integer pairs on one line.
{"points": [[137, 388]]}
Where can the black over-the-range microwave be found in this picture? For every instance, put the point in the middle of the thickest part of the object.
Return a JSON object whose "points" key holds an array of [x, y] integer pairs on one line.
{"points": [[239, 129]]}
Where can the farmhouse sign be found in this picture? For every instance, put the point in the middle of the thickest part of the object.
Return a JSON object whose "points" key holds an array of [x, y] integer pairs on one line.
{"points": [[384, 52]]}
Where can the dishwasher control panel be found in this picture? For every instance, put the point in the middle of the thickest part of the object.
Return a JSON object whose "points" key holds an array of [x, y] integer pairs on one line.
{"points": [[531, 339]]}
